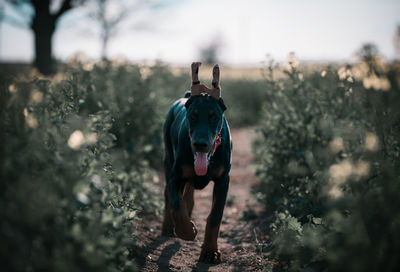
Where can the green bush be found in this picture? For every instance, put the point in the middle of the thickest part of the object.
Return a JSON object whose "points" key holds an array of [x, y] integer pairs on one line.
{"points": [[134, 102], [328, 160], [75, 168], [244, 99]]}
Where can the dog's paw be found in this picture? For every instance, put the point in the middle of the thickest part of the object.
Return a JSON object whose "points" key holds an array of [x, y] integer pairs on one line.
{"points": [[187, 232], [210, 256]]}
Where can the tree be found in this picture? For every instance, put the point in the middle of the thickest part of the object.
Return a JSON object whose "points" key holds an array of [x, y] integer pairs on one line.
{"points": [[397, 40], [43, 23], [109, 14], [209, 54], [369, 53], [1, 21]]}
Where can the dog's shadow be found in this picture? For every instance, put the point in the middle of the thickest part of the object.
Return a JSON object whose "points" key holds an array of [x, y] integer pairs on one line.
{"points": [[163, 261], [166, 255]]}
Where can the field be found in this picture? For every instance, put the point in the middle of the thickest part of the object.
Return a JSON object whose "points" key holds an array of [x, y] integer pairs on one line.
{"points": [[315, 173]]}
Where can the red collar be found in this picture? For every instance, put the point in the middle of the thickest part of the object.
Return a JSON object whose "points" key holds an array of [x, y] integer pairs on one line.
{"points": [[218, 141]]}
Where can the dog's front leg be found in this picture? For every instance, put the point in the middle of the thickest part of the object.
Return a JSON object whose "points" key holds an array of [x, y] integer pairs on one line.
{"points": [[210, 252], [184, 228]]}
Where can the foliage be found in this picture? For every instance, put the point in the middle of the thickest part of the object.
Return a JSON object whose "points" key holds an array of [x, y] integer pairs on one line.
{"points": [[75, 168], [328, 160], [135, 108], [244, 99]]}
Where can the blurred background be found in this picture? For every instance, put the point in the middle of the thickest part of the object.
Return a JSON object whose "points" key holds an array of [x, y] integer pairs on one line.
{"points": [[313, 93], [178, 32]]}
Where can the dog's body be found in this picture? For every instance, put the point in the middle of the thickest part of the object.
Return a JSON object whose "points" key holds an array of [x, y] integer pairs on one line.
{"points": [[197, 150]]}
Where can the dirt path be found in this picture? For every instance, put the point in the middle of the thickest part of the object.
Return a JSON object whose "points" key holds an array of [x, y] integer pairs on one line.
{"points": [[237, 237]]}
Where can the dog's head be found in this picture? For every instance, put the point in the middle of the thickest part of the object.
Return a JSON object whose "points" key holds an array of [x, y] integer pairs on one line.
{"points": [[204, 117]]}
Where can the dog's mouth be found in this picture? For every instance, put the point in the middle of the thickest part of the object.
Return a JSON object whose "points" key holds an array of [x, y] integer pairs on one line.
{"points": [[202, 154], [201, 163]]}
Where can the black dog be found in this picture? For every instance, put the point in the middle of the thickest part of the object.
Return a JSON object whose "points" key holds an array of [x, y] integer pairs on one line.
{"points": [[197, 149]]}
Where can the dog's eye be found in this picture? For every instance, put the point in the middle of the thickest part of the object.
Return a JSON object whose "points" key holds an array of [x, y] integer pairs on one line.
{"points": [[194, 115], [213, 117]]}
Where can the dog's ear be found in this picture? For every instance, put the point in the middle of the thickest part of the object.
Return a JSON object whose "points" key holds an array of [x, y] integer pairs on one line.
{"points": [[215, 81], [196, 88], [195, 71], [215, 91]]}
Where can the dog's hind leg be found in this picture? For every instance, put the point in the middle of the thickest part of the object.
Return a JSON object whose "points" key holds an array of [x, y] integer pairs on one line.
{"points": [[168, 224]]}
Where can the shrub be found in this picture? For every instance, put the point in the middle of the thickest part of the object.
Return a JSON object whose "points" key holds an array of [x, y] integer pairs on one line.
{"points": [[68, 201], [128, 92], [328, 156], [244, 99]]}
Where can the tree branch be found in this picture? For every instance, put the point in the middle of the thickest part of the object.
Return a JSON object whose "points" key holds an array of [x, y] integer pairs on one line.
{"points": [[66, 5], [18, 16], [15, 22]]}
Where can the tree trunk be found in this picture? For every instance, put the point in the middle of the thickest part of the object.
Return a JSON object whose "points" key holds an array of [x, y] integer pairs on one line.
{"points": [[43, 52], [104, 45], [43, 26]]}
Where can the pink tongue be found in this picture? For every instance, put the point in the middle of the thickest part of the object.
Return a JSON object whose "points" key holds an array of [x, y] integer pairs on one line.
{"points": [[200, 164]]}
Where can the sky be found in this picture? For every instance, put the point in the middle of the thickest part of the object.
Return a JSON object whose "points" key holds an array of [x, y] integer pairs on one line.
{"points": [[175, 31]]}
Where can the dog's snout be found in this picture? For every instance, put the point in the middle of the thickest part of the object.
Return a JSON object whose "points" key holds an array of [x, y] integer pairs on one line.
{"points": [[200, 146]]}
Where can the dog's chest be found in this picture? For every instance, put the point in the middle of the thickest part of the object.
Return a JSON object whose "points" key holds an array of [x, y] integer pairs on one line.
{"points": [[214, 171]]}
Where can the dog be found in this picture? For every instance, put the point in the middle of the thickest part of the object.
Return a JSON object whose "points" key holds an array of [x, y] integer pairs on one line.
{"points": [[198, 149]]}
